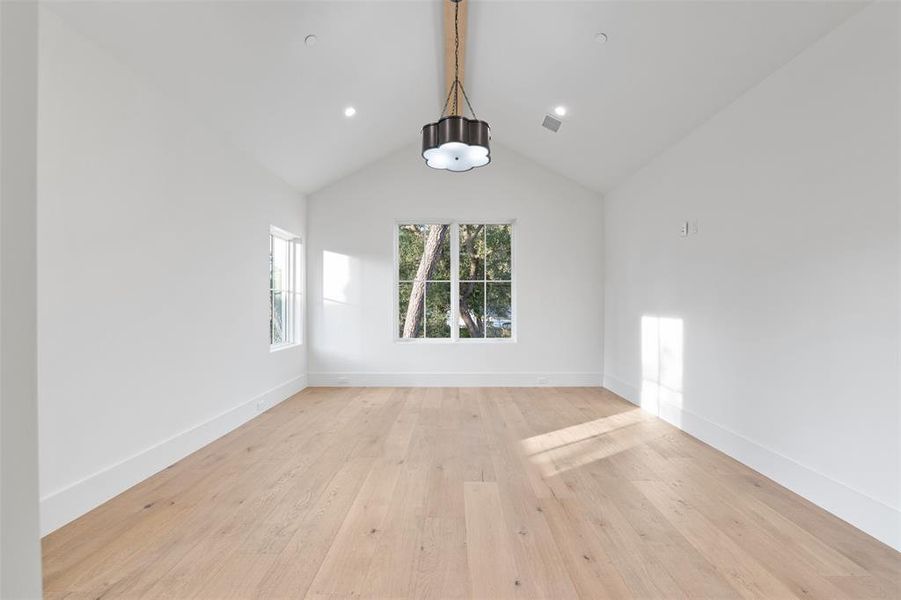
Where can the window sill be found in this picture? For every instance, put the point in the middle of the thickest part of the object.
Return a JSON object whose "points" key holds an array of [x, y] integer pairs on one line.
{"points": [[281, 347], [418, 341]]}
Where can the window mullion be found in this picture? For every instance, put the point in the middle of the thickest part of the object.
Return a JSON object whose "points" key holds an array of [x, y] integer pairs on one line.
{"points": [[290, 311], [291, 263], [301, 291], [485, 305], [294, 291], [286, 282], [485, 282], [396, 236], [455, 281], [271, 290], [294, 333]]}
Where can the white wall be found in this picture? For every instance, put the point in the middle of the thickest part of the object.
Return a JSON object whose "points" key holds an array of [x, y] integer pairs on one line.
{"points": [[152, 279], [20, 551], [788, 294], [558, 274]]}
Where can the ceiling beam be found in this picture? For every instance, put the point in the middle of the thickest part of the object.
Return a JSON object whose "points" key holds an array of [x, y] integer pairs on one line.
{"points": [[449, 7]]}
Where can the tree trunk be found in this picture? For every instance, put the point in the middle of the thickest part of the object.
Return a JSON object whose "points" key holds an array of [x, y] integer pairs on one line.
{"points": [[472, 324], [430, 256]]}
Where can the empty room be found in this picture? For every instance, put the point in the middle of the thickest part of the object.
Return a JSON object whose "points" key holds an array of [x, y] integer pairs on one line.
{"points": [[450, 299]]}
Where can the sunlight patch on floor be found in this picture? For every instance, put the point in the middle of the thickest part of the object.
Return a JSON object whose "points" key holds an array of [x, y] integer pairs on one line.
{"points": [[560, 450]]}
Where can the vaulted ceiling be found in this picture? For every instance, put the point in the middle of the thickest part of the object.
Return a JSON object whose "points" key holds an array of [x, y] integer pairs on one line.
{"points": [[243, 68]]}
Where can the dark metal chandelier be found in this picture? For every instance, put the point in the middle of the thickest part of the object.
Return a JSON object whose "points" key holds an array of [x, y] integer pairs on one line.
{"points": [[454, 142]]}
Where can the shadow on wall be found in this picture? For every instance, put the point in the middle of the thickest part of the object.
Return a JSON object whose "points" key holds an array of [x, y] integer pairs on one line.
{"points": [[661, 362]]}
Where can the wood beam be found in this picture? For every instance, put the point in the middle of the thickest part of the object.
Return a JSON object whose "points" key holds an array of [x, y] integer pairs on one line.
{"points": [[449, 7]]}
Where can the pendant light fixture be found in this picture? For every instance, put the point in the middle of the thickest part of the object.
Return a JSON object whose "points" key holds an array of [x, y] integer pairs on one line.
{"points": [[454, 142]]}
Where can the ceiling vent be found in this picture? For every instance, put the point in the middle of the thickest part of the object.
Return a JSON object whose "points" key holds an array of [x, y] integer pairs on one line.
{"points": [[551, 123]]}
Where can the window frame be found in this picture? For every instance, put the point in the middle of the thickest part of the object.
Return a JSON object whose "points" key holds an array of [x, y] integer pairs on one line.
{"points": [[293, 288], [454, 225]]}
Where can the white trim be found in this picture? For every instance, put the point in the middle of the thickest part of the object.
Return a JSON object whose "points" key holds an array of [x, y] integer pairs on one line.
{"points": [[280, 347], [458, 341], [455, 284], [513, 379], [868, 514], [622, 389], [66, 504], [285, 235]]}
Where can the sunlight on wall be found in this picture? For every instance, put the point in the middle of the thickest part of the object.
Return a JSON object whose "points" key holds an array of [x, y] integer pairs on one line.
{"points": [[661, 362], [340, 327], [336, 277]]}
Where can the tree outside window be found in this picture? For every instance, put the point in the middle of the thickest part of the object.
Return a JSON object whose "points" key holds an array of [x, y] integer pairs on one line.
{"points": [[455, 281]]}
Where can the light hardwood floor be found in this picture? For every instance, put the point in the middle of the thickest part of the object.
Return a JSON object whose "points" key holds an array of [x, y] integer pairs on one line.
{"points": [[453, 493]]}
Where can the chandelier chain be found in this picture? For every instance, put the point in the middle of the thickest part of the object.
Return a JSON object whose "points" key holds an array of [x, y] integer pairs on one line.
{"points": [[457, 85], [456, 53], [465, 97]]}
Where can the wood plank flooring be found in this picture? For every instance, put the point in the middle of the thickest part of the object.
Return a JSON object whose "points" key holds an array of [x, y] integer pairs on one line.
{"points": [[462, 493]]}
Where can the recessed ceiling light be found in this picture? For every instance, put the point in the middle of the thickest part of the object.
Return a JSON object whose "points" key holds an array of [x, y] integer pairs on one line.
{"points": [[560, 111], [350, 111], [310, 40], [601, 38]]}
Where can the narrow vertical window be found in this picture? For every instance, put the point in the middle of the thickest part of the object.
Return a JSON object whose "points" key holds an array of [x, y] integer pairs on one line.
{"points": [[486, 281], [285, 287], [424, 281]]}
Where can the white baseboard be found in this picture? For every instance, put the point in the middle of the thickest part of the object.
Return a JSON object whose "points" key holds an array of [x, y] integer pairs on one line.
{"points": [[868, 514], [623, 389], [456, 379], [69, 503]]}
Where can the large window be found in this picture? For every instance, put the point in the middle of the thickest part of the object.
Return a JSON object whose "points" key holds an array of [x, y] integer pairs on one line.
{"points": [[285, 287], [455, 281]]}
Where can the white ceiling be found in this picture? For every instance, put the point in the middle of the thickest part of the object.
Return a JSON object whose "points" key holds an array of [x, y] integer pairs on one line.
{"points": [[243, 68]]}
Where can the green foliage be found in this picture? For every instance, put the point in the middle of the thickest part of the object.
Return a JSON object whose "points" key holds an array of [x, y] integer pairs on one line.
{"points": [[410, 244], [276, 302], [498, 247], [472, 252], [485, 271], [485, 255], [438, 310], [472, 309], [276, 317], [499, 310]]}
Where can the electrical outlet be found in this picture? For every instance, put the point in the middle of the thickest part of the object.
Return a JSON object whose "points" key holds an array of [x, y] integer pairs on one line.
{"points": [[542, 381], [343, 380], [693, 228]]}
